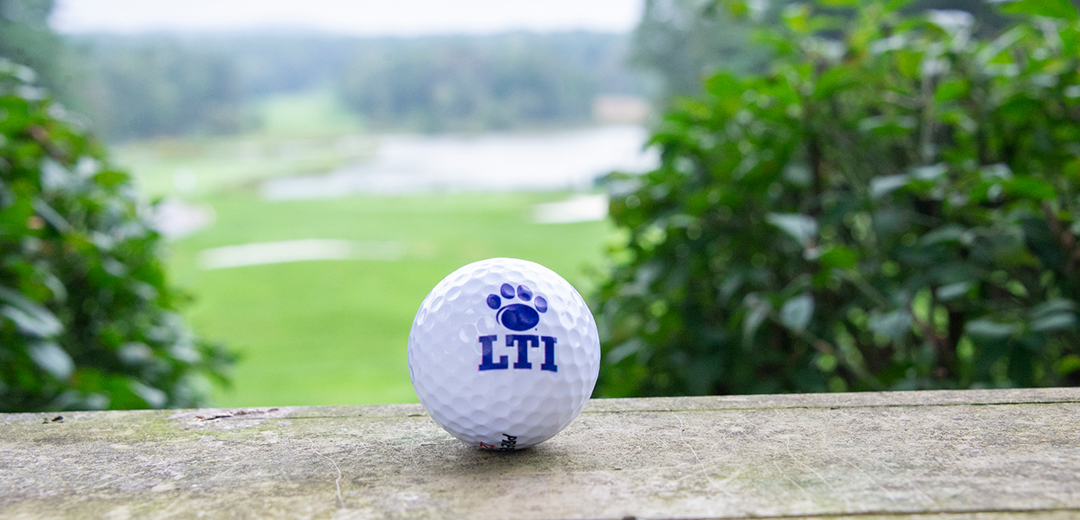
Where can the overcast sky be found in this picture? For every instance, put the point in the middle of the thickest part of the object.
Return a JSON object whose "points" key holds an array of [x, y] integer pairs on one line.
{"points": [[359, 17]]}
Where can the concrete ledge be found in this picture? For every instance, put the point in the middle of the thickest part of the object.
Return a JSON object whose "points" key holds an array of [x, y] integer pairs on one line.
{"points": [[954, 455]]}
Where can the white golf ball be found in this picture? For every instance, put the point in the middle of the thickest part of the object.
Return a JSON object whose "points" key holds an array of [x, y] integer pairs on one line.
{"points": [[503, 353]]}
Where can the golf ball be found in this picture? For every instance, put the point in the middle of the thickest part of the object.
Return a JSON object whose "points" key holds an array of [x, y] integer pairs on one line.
{"points": [[503, 353]]}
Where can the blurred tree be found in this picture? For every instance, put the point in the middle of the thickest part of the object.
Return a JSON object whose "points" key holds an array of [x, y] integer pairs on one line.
{"points": [[488, 82], [25, 37], [681, 42], [87, 319], [153, 86], [145, 86], [894, 205]]}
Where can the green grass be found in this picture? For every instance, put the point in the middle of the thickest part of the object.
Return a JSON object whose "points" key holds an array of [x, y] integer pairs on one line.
{"points": [[235, 162], [310, 114], [301, 134], [335, 332]]}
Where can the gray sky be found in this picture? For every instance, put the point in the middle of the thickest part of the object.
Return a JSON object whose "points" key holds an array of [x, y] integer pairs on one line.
{"points": [[359, 17]]}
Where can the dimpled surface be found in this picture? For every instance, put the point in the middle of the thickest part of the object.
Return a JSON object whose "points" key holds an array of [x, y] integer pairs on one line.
{"points": [[502, 408]]}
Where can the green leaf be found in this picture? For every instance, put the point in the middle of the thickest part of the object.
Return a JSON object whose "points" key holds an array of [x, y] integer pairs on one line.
{"points": [[110, 178], [996, 47], [839, 257], [888, 126], [826, 362], [908, 63], [29, 316], [756, 313], [51, 216], [986, 329], [797, 18], [880, 186], [1054, 322], [135, 353], [737, 8], [1051, 307], [995, 172], [952, 90], [930, 172], [1063, 9], [731, 284], [834, 81], [893, 325], [797, 312], [1029, 187], [154, 398], [52, 359], [944, 234], [1068, 364], [802, 228], [625, 350], [952, 291]]}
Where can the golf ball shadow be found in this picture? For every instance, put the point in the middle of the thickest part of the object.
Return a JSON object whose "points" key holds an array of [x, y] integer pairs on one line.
{"points": [[517, 316]]}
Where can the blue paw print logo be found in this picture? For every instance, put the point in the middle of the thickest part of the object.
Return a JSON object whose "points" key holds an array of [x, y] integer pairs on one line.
{"points": [[517, 316]]}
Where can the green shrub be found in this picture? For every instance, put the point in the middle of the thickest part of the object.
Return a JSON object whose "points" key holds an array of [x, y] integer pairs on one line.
{"points": [[87, 319], [895, 205]]}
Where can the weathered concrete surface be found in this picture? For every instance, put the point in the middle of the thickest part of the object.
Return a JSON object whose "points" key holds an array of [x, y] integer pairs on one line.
{"points": [[921, 455]]}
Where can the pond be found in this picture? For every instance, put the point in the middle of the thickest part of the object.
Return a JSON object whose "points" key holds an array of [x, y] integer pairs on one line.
{"points": [[560, 160]]}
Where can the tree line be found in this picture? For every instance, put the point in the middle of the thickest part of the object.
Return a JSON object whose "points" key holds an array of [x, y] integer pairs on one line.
{"points": [[143, 86]]}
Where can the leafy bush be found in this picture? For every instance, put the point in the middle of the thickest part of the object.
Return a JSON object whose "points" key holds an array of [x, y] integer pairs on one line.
{"points": [[87, 319], [895, 205]]}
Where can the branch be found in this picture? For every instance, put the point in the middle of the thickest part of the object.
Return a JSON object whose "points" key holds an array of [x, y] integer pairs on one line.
{"points": [[1064, 237], [41, 135], [941, 344]]}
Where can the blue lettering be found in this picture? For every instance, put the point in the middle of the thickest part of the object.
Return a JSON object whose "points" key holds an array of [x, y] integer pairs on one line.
{"points": [[524, 341], [549, 354], [488, 362]]}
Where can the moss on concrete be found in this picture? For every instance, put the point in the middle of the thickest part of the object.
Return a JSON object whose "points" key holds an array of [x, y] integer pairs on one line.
{"points": [[966, 454]]}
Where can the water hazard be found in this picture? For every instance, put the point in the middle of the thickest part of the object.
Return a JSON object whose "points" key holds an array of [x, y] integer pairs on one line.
{"points": [[565, 160]]}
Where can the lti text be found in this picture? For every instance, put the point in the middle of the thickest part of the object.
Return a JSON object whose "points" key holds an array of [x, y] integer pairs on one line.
{"points": [[522, 342]]}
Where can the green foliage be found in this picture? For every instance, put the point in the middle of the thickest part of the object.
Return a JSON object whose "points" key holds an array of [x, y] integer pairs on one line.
{"points": [[679, 43], [87, 319], [895, 205]]}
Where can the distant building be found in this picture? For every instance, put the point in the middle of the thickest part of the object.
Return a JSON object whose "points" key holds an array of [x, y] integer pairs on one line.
{"points": [[620, 110]]}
